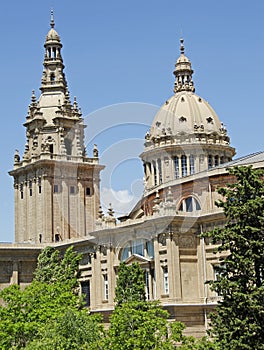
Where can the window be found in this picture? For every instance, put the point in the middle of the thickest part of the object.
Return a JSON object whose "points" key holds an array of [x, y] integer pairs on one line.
{"points": [[87, 191], [21, 195], [68, 146], [176, 167], [210, 161], [166, 280], [147, 284], [192, 166], [140, 247], [56, 188], [184, 165], [160, 171], [39, 189], [189, 205], [216, 161], [106, 287], [154, 173], [52, 77], [30, 188], [72, 189], [85, 287]]}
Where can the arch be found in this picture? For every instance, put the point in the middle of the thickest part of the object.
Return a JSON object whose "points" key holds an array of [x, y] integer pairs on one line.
{"points": [[189, 204]]}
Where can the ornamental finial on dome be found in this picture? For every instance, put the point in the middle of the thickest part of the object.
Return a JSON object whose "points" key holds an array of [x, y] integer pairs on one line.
{"points": [[182, 46], [183, 72], [52, 23]]}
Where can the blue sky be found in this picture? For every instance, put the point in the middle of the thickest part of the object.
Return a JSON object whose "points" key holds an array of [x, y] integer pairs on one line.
{"points": [[124, 51]]}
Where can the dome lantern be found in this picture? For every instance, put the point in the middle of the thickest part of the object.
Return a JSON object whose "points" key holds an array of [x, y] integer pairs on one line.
{"points": [[183, 72]]}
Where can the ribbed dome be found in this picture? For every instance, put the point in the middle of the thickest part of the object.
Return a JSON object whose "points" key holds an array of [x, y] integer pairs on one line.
{"points": [[186, 112], [52, 35]]}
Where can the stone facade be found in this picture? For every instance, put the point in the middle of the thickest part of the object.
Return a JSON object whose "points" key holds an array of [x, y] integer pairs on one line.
{"points": [[57, 199]]}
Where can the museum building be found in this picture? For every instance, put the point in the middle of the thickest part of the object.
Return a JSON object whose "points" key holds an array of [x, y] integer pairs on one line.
{"points": [[186, 155]]}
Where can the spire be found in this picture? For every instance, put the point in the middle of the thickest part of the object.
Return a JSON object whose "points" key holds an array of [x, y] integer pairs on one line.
{"points": [[52, 23], [53, 78], [183, 72]]}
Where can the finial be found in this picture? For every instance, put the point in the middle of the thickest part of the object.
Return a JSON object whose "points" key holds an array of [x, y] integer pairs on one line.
{"points": [[52, 23], [182, 46]]}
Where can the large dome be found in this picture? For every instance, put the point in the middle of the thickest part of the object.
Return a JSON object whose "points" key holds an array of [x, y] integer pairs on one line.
{"points": [[186, 112], [186, 135]]}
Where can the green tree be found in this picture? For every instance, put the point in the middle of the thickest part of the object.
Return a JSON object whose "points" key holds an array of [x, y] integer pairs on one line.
{"points": [[72, 330], [55, 267], [130, 284], [48, 312], [26, 313], [238, 320]]}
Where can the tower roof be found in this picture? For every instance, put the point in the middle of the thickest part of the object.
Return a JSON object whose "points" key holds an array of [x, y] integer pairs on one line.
{"points": [[52, 36]]}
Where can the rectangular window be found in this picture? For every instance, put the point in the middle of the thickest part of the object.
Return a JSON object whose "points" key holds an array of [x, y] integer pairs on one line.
{"points": [[176, 167], [85, 286], [21, 195], [166, 280], [72, 190], [184, 165], [106, 288], [192, 167], [147, 285], [88, 191], [210, 161], [39, 189], [56, 188], [30, 192], [160, 171]]}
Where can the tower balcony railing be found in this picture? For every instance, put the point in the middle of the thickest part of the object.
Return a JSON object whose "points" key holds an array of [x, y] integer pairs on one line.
{"points": [[59, 157]]}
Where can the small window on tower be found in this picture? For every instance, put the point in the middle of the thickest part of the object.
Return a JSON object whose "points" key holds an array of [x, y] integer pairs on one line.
{"points": [[56, 188], [52, 77], [72, 190], [88, 191]]}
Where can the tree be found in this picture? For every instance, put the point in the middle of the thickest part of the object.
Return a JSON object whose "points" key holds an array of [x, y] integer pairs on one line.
{"points": [[130, 284], [48, 313], [238, 320], [74, 329], [54, 267]]}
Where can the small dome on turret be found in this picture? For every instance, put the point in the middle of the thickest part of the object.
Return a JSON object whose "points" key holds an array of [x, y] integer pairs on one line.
{"points": [[52, 34]]}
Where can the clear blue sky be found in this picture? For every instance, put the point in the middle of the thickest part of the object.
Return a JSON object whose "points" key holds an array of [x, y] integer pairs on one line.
{"points": [[124, 51]]}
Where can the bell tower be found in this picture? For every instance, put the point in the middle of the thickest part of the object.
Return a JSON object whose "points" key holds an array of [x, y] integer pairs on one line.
{"points": [[56, 184]]}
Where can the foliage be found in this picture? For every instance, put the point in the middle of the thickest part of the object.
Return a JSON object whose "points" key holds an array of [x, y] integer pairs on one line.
{"points": [[130, 284], [137, 325], [52, 267], [26, 312], [73, 330], [238, 320], [48, 313]]}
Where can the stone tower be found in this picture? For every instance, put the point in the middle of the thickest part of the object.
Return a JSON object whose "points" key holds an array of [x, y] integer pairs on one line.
{"points": [[186, 136], [56, 185]]}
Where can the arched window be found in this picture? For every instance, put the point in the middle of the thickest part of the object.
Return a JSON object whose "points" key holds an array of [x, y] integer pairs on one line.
{"points": [[140, 247], [189, 205]]}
